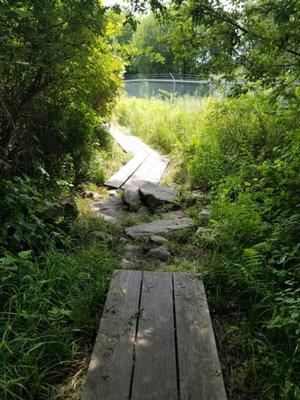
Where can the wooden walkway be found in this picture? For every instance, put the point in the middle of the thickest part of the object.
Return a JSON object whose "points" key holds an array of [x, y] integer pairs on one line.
{"points": [[155, 341], [146, 165]]}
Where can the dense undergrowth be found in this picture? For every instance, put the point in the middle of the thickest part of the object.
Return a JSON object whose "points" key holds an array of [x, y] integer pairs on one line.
{"points": [[243, 153], [51, 293], [59, 80]]}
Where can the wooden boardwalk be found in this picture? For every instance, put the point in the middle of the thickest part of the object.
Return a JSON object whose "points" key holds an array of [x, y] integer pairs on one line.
{"points": [[155, 341], [146, 165]]}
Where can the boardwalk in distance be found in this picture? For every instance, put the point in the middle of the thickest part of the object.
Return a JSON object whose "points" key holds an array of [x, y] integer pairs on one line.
{"points": [[146, 165]]}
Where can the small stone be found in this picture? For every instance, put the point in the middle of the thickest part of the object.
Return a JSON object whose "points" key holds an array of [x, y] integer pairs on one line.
{"points": [[123, 240], [158, 239], [205, 212], [160, 253], [103, 236], [132, 198], [126, 264], [131, 251]]}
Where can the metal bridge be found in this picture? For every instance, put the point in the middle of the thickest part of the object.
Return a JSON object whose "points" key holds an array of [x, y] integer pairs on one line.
{"points": [[166, 85]]}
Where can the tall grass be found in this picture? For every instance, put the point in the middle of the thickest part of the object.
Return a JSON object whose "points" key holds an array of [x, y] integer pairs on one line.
{"points": [[50, 310], [165, 124]]}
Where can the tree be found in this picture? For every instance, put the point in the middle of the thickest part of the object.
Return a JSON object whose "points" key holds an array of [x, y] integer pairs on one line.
{"points": [[260, 39], [59, 77]]}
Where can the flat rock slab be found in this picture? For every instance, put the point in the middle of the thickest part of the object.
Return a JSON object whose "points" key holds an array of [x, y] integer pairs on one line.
{"points": [[110, 209], [154, 195], [159, 227]]}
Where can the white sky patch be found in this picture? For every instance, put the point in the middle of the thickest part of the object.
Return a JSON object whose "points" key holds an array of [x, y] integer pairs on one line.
{"points": [[108, 3]]}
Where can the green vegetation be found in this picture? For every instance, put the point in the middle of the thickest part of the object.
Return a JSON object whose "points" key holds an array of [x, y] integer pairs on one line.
{"points": [[59, 80], [244, 39], [243, 154], [52, 310], [61, 67]]}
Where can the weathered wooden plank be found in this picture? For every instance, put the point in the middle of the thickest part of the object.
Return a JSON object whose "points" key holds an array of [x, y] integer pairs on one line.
{"points": [[151, 170], [110, 369], [123, 140], [124, 173], [155, 362], [198, 362], [144, 147]]}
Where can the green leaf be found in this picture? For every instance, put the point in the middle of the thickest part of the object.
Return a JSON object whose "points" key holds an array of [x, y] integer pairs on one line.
{"points": [[24, 254]]}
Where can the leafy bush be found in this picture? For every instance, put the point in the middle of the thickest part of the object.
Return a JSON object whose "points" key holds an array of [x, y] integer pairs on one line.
{"points": [[27, 218], [60, 78]]}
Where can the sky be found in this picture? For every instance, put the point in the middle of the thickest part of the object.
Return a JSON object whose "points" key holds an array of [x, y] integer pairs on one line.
{"points": [[109, 3]]}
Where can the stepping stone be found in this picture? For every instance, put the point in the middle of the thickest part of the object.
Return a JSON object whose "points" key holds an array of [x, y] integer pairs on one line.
{"points": [[155, 195], [132, 198], [158, 239], [160, 253], [159, 227], [131, 251], [111, 209]]}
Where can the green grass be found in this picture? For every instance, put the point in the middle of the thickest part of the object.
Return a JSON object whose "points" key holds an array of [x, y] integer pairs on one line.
{"points": [[165, 125], [51, 307]]}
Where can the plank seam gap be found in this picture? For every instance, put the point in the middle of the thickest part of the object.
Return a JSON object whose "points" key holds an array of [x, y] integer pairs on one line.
{"points": [[124, 183], [135, 337], [176, 341]]}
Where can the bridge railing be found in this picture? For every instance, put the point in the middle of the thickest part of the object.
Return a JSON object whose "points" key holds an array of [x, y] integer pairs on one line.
{"points": [[166, 85]]}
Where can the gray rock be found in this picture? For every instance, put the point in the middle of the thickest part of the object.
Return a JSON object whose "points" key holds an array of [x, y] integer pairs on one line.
{"points": [[155, 195], [126, 264], [103, 236], [159, 227], [158, 239], [205, 212], [131, 251], [160, 253], [111, 209], [132, 198]]}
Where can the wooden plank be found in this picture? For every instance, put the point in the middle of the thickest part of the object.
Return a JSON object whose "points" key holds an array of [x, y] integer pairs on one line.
{"points": [[110, 369], [151, 170], [154, 375], [144, 147], [122, 139], [198, 362], [124, 173]]}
